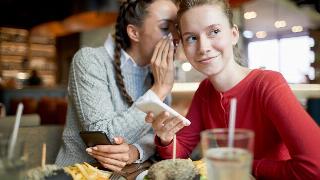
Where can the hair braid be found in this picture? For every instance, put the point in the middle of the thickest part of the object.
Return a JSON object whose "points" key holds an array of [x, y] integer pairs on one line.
{"points": [[120, 38], [131, 12]]}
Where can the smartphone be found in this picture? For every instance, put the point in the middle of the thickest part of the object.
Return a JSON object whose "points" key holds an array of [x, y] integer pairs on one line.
{"points": [[158, 107], [93, 138]]}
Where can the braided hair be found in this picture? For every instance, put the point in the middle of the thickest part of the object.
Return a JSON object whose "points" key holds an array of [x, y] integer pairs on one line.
{"points": [[131, 12]]}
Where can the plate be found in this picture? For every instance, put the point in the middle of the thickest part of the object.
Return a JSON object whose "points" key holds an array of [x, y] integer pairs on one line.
{"points": [[141, 175]]}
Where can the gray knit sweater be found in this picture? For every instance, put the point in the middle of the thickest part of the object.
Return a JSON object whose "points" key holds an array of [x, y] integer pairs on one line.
{"points": [[95, 104]]}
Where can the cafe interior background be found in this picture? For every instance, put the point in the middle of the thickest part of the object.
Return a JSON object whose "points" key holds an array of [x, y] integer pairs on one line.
{"points": [[280, 35]]}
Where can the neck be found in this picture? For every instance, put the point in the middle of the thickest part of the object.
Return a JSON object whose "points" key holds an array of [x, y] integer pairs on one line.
{"points": [[133, 51], [229, 77]]}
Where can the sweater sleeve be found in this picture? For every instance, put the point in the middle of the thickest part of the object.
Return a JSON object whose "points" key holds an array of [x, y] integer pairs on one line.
{"points": [[189, 136], [297, 129], [91, 96]]}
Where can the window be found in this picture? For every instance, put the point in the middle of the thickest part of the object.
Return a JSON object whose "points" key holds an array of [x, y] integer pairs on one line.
{"points": [[289, 56]]}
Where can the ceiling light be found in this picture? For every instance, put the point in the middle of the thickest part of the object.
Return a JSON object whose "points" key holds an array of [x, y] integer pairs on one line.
{"points": [[280, 24], [296, 29], [186, 67], [261, 34], [250, 15], [247, 34]]}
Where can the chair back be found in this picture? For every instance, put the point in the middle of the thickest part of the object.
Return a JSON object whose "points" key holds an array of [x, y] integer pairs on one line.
{"points": [[34, 137]]}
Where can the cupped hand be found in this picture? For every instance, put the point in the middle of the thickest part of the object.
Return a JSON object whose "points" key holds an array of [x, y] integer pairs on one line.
{"points": [[165, 127], [114, 157], [162, 67]]}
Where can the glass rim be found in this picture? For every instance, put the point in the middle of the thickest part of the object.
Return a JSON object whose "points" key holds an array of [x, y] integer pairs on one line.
{"points": [[222, 133]]}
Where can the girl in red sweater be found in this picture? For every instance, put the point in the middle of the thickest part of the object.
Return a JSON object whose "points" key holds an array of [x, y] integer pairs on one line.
{"points": [[286, 137]]}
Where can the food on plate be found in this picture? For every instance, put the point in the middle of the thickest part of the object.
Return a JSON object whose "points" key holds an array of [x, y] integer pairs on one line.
{"points": [[85, 171], [39, 173], [82, 171], [179, 169], [200, 165]]}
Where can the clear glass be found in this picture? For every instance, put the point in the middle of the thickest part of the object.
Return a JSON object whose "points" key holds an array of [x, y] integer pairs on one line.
{"points": [[224, 163], [12, 168]]}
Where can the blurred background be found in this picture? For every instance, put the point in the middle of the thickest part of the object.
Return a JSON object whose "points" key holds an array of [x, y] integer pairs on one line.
{"points": [[39, 38]]}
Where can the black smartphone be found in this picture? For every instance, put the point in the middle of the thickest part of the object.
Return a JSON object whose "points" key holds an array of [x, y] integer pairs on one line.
{"points": [[93, 138]]}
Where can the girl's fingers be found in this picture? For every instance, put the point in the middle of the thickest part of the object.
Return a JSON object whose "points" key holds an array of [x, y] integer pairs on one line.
{"points": [[122, 148], [156, 51], [149, 117], [158, 123], [171, 123], [158, 59], [170, 56], [111, 167], [177, 128], [110, 161], [124, 157], [165, 53]]}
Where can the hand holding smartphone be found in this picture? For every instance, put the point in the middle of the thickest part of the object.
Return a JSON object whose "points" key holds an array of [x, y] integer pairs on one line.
{"points": [[93, 138], [157, 107]]}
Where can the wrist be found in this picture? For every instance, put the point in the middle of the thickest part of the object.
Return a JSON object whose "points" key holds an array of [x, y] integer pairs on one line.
{"points": [[165, 142], [133, 154], [159, 92]]}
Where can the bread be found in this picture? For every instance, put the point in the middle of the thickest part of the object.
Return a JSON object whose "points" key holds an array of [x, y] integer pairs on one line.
{"points": [[180, 169]]}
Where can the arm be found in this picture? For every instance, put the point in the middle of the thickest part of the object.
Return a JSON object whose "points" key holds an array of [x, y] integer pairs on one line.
{"points": [[297, 130], [92, 92], [189, 136]]}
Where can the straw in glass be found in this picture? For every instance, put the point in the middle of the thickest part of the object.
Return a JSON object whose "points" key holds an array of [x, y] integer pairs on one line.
{"points": [[174, 154], [232, 121], [14, 134]]}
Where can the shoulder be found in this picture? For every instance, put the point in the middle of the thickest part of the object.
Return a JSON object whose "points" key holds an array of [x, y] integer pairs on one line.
{"points": [[91, 58], [269, 78]]}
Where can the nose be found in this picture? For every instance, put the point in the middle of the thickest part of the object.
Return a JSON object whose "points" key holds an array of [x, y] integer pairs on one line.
{"points": [[204, 45]]}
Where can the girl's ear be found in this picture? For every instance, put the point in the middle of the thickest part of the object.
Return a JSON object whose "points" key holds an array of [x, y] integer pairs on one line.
{"points": [[133, 32], [235, 34]]}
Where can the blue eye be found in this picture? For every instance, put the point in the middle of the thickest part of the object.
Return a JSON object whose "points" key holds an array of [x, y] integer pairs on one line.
{"points": [[190, 39]]}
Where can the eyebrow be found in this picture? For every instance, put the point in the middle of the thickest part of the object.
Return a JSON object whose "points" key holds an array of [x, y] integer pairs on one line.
{"points": [[206, 28]]}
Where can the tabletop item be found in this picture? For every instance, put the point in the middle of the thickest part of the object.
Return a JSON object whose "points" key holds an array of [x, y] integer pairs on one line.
{"points": [[93, 138], [224, 162], [49, 170], [13, 167], [180, 169], [86, 171], [157, 107]]}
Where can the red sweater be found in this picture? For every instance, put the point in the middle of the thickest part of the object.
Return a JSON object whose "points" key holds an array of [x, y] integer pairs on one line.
{"points": [[286, 137]]}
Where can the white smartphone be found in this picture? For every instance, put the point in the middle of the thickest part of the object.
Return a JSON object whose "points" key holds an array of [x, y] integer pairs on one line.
{"points": [[158, 107]]}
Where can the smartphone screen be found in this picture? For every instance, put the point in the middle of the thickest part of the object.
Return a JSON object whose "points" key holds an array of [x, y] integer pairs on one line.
{"points": [[93, 138]]}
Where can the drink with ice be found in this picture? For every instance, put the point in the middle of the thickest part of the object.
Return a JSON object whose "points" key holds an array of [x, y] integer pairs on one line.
{"points": [[228, 163]]}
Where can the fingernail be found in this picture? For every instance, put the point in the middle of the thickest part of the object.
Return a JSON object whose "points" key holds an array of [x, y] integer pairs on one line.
{"points": [[116, 139], [89, 150], [166, 113], [95, 148]]}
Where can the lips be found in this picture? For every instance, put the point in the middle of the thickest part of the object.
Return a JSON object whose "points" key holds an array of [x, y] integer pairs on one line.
{"points": [[208, 59]]}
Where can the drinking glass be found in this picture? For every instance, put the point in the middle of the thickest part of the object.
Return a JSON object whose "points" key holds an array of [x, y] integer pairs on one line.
{"points": [[227, 163], [12, 168]]}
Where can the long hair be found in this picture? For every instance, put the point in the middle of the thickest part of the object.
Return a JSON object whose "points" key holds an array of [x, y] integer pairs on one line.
{"points": [[131, 12]]}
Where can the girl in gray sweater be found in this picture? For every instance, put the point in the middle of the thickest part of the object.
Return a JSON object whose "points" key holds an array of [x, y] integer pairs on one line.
{"points": [[104, 82]]}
